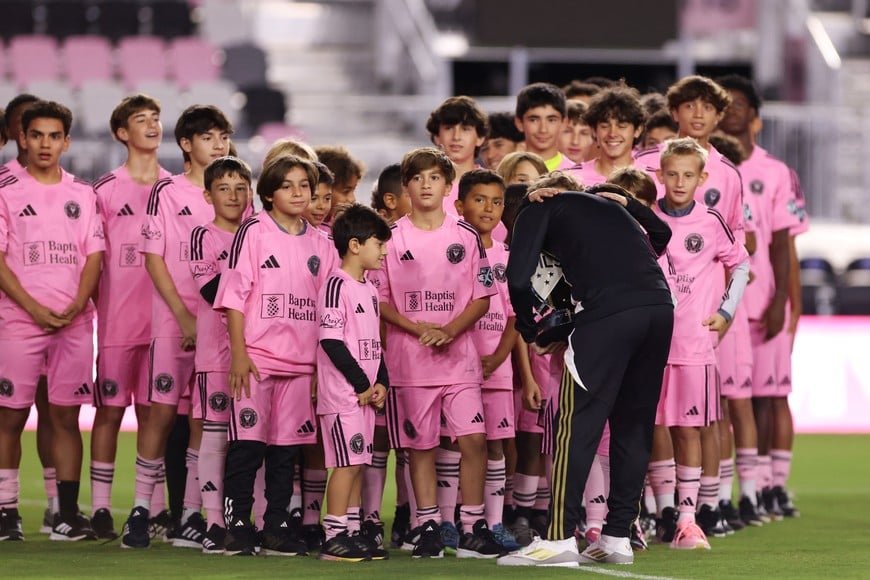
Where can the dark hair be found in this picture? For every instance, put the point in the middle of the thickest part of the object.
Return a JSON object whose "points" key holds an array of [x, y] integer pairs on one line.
{"points": [[128, 106], [360, 222], [540, 95], [502, 126], [47, 110], [618, 102], [743, 85], [324, 175], [513, 199], [575, 111], [478, 177], [418, 160], [636, 182], [18, 101], [602, 82], [695, 87], [729, 147], [199, 119], [652, 103], [273, 176], [580, 89], [661, 119], [341, 163], [223, 166], [459, 110], [389, 181]]}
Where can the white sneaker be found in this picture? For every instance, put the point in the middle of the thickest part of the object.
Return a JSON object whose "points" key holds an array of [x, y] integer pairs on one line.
{"points": [[553, 553], [608, 550]]}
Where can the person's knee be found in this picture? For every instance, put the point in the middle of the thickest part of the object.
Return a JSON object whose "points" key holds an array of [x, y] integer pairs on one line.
{"points": [[473, 445]]}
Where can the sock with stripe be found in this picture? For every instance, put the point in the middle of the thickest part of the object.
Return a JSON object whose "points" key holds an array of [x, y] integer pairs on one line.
{"points": [[494, 491], [102, 475], [525, 493], [353, 519], [542, 495], [334, 525], [10, 487], [781, 466], [158, 498], [747, 472], [688, 484], [374, 480], [148, 473], [296, 499], [708, 493], [596, 492], [428, 513], [313, 490], [726, 479], [447, 475], [765, 472], [663, 481], [212, 456], [468, 516]]}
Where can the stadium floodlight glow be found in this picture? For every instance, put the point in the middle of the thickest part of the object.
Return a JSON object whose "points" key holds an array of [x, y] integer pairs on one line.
{"points": [[451, 44], [824, 42]]}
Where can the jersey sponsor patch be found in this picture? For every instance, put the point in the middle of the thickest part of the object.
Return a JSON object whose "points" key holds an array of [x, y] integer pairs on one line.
{"points": [[272, 306], [485, 277]]}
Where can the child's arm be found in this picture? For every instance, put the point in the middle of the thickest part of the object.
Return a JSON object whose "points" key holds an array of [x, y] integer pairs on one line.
{"points": [[466, 319], [390, 315], [506, 343], [241, 365], [343, 360], [736, 259], [88, 281], [780, 259], [156, 267], [794, 287], [531, 389], [43, 317]]}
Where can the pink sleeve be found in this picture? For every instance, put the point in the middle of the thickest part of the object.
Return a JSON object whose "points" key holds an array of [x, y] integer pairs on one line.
{"points": [[4, 224], [236, 283], [154, 232], [484, 280], [784, 203], [203, 263], [96, 237], [748, 221], [730, 251], [332, 313], [380, 279]]}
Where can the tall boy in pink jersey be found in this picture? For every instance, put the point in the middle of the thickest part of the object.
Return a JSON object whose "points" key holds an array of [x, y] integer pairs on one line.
{"points": [[435, 285], [176, 205], [352, 378], [51, 250], [277, 265], [689, 401]]}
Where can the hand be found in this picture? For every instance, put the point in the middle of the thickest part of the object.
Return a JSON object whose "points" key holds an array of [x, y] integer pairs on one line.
{"points": [[540, 194], [187, 323], [365, 397], [423, 326], [774, 318], [435, 337], [72, 311], [489, 363], [718, 324], [551, 348], [379, 396], [241, 369], [532, 396], [313, 388], [620, 199], [46, 319]]}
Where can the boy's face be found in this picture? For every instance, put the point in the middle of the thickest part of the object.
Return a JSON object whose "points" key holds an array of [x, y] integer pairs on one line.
{"points": [[697, 119], [482, 207], [458, 142], [427, 190], [656, 136], [575, 141], [204, 148], [372, 253], [398, 205], [229, 195], [44, 142], [292, 197], [495, 150], [615, 138], [681, 175], [542, 127], [321, 203], [739, 115], [345, 192], [524, 172], [144, 131], [14, 119]]}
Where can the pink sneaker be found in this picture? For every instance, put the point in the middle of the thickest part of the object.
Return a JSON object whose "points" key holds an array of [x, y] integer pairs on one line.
{"points": [[592, 535], [689, 537]]}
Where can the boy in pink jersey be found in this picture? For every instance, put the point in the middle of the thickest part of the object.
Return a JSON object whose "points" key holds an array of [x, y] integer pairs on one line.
{"points": [[347, 171], [577, 142], [277, 265], [124, 305], [481, 203], [321, 200], [689, 401], [352, 379], [501, 139], [227, 189], [389, 199], [435, 285], [540, 116], [51, 250], [176, 205]]}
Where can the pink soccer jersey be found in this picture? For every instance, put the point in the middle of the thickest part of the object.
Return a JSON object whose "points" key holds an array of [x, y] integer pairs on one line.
{"points": [[11, 167], [46, 232], [432, 276], [348, 311], [586, 174], [499, 234], [209, 253], [700, 241], [487, 333], [273, 278], [125, 291], [800, 205], [175, 207]]}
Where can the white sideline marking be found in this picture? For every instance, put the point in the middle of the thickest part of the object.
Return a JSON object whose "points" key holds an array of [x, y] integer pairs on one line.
{"points": [[84, 507], [621, 574]]}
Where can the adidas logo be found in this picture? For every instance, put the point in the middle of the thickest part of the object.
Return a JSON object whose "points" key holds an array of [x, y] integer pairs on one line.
{"points": [[769, 381], [209, 486], [224, 255], [407, 256], [359, 309], [599, 499], [271, 263], [27, 211], [693, 411], [442, 483], [240, 523], [687, 502], [785, 381], [125, 210], [314, 506], [284, 524], [747, 384], [477, 419], [498, 492], [306, 428], [83, 390], [185, 211], [504, 424], [729, 381]]}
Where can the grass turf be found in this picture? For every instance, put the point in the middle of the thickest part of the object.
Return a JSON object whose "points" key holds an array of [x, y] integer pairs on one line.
{"points": [[829, 479]]}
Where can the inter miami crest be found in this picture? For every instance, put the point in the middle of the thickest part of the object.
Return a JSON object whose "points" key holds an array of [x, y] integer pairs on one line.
{"points": [[314, 265], [409, 429], [164, 383], [7, 389], [455, 253], [109, 388], [357, 443], [712, 197], [499, 271], [247, 418], [756, 186], [72, 210], [694, 243], [218, 402]]}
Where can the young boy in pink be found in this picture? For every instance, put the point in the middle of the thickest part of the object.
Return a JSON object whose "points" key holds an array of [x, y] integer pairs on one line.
{"points": [[352, 379], [51, 251]]}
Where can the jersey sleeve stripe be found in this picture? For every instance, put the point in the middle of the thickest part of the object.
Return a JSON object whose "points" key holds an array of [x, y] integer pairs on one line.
{"points": [[107, 178], [333, 292], [196, 238], [480, 247], [8, 181], [154, 198], [239, 240], [719, 217]]}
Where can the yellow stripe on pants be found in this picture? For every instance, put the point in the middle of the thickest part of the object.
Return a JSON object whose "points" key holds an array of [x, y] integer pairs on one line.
{"points": [[559, 477]]}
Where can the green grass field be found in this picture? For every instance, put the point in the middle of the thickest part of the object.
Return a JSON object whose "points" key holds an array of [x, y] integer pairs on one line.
{"points": [[830, 477]]}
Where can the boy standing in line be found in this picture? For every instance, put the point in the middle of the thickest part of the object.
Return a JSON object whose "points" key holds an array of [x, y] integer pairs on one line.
{"points": [[540, 115]]}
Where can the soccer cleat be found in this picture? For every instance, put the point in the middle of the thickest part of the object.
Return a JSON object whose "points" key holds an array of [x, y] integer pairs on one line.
{"points": [[710, 521], [214, 540], [313, 536], [541, 521], [48, 521], [771, 505], [731, 515], [401, 525], [72, 530], [689, 537], [191, 534], [370, 545], [449, 536], [429, 544], [162, 526], [104, 525], [411, 539], [373, 533], [608, 550], [10, 526], [591, 535], [666, 526], [344, 548], [544, 553], [522, 531], [281, 542], [749, 513], [636, 537], [761, 508], [784, 502], [505, 538], [135, 533], [648, 527], [239, 539], [480, 543]]}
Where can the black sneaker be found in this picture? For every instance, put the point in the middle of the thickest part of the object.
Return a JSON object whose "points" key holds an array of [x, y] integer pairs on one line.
{"points": [[313, 536], [296, 520], [104, 525], [401, 525], [666, 526], [280, 541], [731, 515], [136, 530], [214, 540], [73, 530], [428, 544], [48, 521], [636, 537], [771, 505], [480, 543], [541, 521], [784, 502], [522, 531], [709, 521], [344, 548], [239, 539], [191, 534], [372, 535], [761, 508], [749, 513], [161, 526], [10, 526], [411, 538]]}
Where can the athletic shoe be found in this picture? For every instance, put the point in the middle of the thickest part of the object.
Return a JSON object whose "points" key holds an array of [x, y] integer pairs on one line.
{"points": [[522, 531], [48, 521], [429, 544], [648, 526], [370, 544], [689, 537], [312, 535], [541, 521], [508, 513], [771, 505], [281, 542], [709, 520], [239, 540], [373, 532], [214, 540], [731, 515], [666, 526], [411, 538], [591, 535], [581, 520], [10, 526], [636, 537], [480, 543], [104, 525], [505, 538], [784, 502], [608, 550], [73, 530], [344, 548], [192, 533], [544, 553], [401, 525], [161, 525], [136, 529], [449, 537], [761, 508], [749, 513]]}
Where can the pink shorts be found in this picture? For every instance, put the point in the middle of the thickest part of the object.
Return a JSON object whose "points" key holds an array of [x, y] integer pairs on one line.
{"points": [[690, 396], [211, 400], [604, 444], [526, 421], [784, 342], [279, 412], [122, 376], [67, 359], [498, 413], [772, 374], [170, 371], [184, 405], [414, 414], [348, 437]]}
